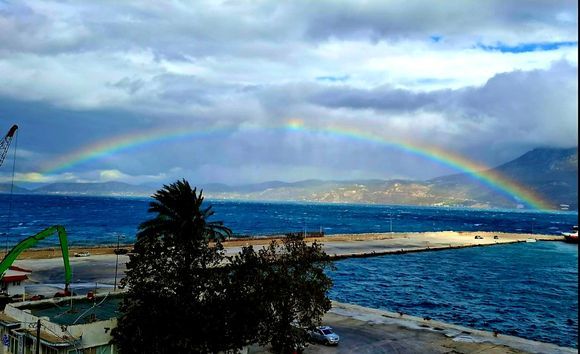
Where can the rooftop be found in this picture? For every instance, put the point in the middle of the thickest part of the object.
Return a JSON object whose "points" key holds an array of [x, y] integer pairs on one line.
{"points": [[82, 311]]}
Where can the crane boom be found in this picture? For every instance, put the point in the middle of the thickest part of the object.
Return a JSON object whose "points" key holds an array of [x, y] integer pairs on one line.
{"points": [[5, 143], [33, 240]]}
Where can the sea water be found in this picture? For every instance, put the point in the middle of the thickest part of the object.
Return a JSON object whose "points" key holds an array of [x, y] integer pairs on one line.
{"points": [[528, 290], [101, 220]]}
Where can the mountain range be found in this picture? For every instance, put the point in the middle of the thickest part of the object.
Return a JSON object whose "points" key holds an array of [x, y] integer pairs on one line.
{"points": [[550, 173]]}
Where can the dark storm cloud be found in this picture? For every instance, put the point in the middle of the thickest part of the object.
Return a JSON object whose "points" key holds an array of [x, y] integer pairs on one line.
{"points": [[382, 98], [434, 19], [475, 77], [538, 107], [175, 29]]}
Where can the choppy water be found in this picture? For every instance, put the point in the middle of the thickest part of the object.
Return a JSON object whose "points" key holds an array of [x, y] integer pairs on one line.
{"points": [[97, 220], [528, 290]]}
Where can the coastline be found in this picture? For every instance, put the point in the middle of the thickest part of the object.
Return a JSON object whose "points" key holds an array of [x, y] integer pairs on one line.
{"points": [[98, 271], [341, 246]]}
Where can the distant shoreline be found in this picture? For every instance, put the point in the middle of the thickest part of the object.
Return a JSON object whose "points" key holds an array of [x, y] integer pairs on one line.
{"points": [[209, 198]]}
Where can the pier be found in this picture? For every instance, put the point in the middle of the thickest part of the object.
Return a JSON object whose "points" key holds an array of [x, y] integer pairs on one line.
{"points": [[378, 244], [347, 245]]}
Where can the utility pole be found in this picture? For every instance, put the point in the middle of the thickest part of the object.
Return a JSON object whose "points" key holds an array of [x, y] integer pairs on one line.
{"points": [[38, 337], [117, 261]]}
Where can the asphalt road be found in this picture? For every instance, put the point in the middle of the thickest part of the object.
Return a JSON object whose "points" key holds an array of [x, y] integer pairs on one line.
{"points": [[363, 337]]}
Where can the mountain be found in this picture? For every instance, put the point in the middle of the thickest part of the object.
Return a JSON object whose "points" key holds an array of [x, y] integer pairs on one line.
{"points": [[95, 189], [5, 189], [550, 173]]}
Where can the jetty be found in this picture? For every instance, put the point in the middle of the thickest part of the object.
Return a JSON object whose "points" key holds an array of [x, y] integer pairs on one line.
{"points": [[100, 265], [346, 245], [377, 244]]}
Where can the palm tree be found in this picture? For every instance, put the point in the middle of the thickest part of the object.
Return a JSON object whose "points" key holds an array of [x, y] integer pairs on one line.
{"points": [[181, 216]]}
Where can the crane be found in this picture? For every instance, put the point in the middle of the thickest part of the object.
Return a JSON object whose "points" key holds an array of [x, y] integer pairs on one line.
{"points": [[5, 143], [31, 242]]}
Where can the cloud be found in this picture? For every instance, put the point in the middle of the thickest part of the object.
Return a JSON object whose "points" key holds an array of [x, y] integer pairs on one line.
{"points": [[537, 108], [35, 178], [477, 78]]}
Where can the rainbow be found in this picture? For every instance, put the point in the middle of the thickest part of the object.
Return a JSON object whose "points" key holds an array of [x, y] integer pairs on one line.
{"points": [[480, 172]]}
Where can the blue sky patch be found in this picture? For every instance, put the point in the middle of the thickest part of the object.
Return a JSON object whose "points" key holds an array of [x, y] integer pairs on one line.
{"points": [[342, 78], [526, 47], [436, 38]]}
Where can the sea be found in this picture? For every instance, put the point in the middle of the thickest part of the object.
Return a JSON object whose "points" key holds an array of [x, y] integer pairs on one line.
{"points": [[104, 220], [528, 290]]}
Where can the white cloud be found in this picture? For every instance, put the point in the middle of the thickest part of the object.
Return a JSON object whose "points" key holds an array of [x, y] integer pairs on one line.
{"points": [[35, 177], [422, 69], [85, 56]]}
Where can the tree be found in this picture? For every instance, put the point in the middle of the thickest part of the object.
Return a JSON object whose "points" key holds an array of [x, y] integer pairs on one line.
{"points": [[185, 296], [175, 285], [286, 286]]}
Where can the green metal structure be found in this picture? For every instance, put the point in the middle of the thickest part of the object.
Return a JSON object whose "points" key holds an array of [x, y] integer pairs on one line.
{"points": [[32, 241]]}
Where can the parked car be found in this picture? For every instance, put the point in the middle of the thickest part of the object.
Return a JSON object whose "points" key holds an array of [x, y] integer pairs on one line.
{"points": [[82, 254], [325, 335]]}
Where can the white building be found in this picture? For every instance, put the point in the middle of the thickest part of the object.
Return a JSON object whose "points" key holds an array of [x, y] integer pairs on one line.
{"points": [[13, 281], [68, 325]]}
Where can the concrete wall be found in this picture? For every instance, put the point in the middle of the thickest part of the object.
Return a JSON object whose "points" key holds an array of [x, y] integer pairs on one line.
{"points": [[13, 289]]}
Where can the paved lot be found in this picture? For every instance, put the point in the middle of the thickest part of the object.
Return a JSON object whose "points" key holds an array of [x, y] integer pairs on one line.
{"points": [[362, 338], [367, 331]]}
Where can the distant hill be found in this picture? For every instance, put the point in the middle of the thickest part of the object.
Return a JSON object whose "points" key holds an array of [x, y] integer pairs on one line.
{"points": [[551, 173], [95, 189], [5, 188]]}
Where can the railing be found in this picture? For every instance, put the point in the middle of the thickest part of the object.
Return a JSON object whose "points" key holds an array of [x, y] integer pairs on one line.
{"points": [[307, 234]]}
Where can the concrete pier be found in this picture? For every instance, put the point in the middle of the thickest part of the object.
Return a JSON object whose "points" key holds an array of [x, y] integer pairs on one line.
{"points": [[377, 244], [100, 266], [344, 245]]}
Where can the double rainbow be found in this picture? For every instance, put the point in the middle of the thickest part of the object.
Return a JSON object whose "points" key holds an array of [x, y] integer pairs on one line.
{"points": [[140, 140]]}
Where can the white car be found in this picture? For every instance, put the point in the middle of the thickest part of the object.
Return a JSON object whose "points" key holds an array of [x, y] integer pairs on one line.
{"points": [[324, 334]]}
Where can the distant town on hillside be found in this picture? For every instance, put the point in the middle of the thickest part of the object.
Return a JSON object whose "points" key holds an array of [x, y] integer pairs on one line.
{"points": [[551, 173]]}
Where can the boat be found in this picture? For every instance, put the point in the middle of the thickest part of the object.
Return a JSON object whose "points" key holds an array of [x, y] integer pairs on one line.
{"points": [[571, 237]]}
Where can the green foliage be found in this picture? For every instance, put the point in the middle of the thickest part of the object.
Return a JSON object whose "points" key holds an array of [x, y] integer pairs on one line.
{"points": [[295, 290], [186, 296], [172, 305], [284, 287]]}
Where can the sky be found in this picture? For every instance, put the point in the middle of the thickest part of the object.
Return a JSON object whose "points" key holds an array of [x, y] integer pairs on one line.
{"points": [[488, 80]]}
